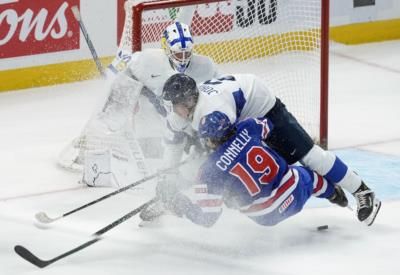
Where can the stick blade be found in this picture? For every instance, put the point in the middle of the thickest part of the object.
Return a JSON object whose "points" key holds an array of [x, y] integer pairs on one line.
{"points": [[76, 13], [43, 218], [28, 256]]}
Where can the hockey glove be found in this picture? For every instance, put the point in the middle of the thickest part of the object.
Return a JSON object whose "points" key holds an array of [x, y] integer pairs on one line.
{"points": [[194, 148], [167, 188]]}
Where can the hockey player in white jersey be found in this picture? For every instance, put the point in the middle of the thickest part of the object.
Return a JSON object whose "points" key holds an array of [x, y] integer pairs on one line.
{"points": [[145, 75], [243, 96], [152, 67]]}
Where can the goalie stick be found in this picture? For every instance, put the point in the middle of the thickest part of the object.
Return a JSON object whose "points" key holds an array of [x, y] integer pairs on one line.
{"points": [[96, 59], [44, 218], [97, 236]]}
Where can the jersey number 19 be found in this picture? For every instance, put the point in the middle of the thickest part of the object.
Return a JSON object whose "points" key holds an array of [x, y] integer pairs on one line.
{"points": [[259, 161]]}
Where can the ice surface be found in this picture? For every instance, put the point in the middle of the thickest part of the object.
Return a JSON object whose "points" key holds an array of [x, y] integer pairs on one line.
{"points": [[364, 129]]}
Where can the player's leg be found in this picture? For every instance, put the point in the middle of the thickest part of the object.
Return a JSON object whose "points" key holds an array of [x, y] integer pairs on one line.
{"points": [[287, 137], [291, 141], [336, 171], [324, 189], [293, 202]]}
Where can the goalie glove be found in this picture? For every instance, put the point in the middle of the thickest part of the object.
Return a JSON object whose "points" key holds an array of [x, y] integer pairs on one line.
{"points": [[120, 62]]}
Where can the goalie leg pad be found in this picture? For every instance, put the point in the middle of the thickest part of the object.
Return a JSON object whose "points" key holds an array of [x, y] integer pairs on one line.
{"points": [[97, 169], [109, 169]]}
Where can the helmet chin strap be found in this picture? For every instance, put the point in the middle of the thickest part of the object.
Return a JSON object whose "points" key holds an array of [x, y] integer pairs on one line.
{"points": [[178, 67], [191, 113], [181, 68]]}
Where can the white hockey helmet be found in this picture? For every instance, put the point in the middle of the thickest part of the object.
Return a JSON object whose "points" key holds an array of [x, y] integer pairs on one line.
{"points": [[177, 41]]}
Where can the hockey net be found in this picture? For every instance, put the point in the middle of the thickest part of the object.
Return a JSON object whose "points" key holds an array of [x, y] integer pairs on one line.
{"points": [[285, 42]]}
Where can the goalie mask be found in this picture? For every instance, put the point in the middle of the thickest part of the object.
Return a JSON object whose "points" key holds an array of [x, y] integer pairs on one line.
{"points": [[177, 42], [215, 129]]}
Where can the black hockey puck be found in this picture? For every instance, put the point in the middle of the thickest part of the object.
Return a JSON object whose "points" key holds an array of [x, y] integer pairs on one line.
{"points": [[322, 227]]}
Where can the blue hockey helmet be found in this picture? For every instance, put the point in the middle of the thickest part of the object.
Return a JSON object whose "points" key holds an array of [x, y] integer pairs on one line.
{"points": [[180, 88], [215, 126]]}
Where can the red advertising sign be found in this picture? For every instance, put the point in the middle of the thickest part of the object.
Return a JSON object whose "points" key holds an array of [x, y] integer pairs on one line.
{"points": [[29, 27]]}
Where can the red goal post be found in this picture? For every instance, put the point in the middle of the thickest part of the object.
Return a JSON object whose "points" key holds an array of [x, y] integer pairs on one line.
{"points": [[285, 42]]}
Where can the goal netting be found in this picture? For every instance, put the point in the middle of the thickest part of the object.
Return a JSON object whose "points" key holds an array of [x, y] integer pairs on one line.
{"points": [[282, 41]]}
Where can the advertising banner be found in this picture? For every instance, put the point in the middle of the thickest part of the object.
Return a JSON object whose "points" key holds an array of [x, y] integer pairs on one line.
{"points": [[35, 27]]}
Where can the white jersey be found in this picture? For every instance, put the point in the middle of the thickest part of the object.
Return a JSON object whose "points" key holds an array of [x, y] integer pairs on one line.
{"points": [[239, 96], [152, 68], [149, 69]]}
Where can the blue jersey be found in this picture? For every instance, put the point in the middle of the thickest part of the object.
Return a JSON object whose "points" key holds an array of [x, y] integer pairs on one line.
{"points": [[245, 166], [251, 177]]}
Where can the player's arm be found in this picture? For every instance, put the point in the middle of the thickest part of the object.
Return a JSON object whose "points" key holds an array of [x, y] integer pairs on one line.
{"points": [[130, 76], [264, 126], [258, 127], [122, 98], [174, 143], [202, 204], [209, 68], [136, 69], [201, 208]]}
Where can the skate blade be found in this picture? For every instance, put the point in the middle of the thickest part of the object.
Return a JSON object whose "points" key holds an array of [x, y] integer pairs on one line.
{"points": [[377, 206]]}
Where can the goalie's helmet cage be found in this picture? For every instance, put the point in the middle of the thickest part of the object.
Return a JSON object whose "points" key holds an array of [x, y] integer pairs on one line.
{"points": [[179, 88], [177, 41]]}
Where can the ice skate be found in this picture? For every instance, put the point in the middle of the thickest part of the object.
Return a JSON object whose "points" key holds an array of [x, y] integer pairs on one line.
{"points": [[368, 205], [339, 197], [151, 214]]}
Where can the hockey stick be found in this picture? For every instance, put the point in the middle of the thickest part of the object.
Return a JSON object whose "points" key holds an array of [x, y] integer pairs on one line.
{"points": [[44, 218], [96, 59], [30, 257]]}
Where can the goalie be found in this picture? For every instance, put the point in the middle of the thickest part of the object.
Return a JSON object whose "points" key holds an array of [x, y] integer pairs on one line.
{"points": [[108, 143]]}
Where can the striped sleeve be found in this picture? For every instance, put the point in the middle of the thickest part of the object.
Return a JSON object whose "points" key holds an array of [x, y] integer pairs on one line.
{"points": [[209, 203], [265, 125], [200, 206]]}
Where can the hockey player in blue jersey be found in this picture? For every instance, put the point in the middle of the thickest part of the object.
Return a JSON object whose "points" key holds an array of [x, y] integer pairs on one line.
{"points": [[244, 96], [246, 174]]}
